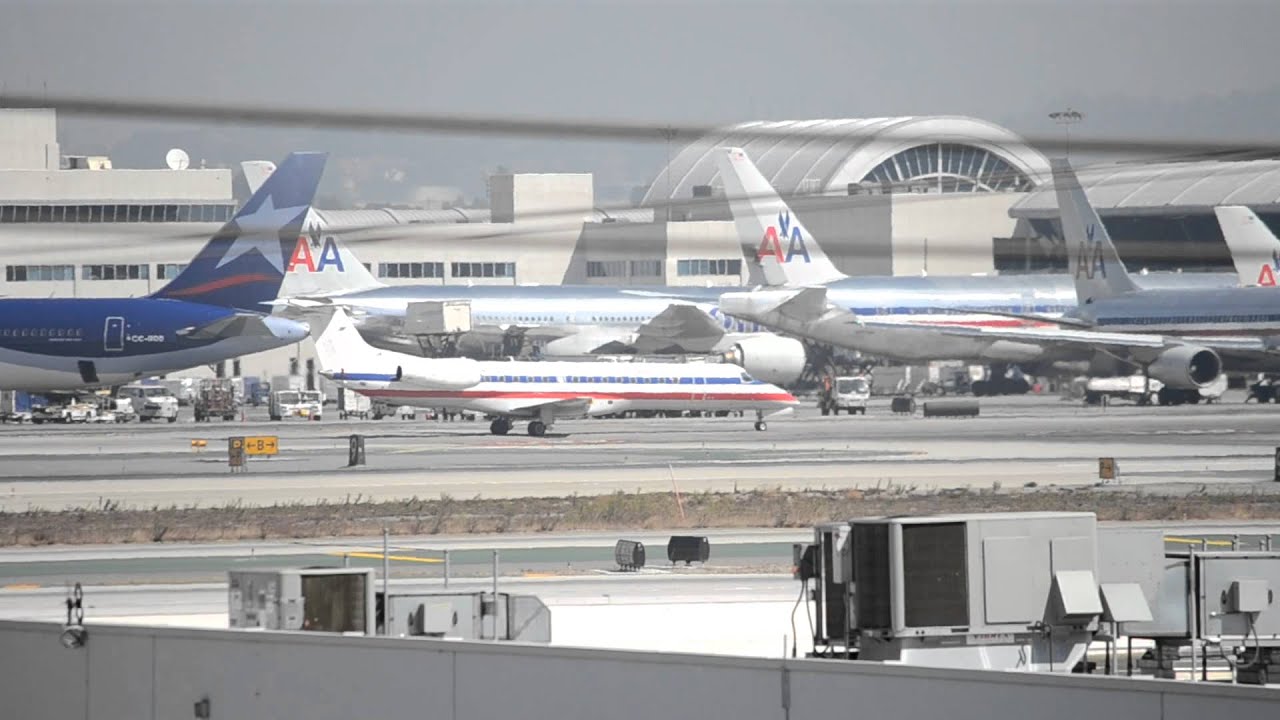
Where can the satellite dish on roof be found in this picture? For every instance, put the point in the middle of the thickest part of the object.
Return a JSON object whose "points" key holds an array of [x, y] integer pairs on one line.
{"points": [[177, 159]]}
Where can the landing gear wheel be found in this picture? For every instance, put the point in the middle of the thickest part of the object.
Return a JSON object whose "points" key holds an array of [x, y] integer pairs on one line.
{"points": [[537, 428], [761, 425], [501, 426]]}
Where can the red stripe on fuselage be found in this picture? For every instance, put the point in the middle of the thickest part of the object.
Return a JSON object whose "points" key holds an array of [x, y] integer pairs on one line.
{"points": [[220, 284], [552, 395], [1010, 323]]}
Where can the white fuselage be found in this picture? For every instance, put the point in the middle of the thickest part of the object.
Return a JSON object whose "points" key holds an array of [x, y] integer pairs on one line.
{"points": [[571, 389]]}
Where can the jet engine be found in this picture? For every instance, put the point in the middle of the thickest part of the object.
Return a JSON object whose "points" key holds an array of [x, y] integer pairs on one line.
{"points": [[1186, 367], [770, 358], [440, 374]]}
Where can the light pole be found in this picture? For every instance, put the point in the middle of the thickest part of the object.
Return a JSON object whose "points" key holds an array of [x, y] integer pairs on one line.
{"points": [[1067, 118]]}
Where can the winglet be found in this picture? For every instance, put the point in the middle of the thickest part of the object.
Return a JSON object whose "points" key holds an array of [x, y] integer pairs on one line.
{"points": [[1254, 248], [1092, 257], [788, 254], [243, 264]]}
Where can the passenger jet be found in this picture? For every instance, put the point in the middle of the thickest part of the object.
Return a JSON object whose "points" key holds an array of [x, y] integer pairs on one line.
{"points": [[541, 391], [214, 310]]}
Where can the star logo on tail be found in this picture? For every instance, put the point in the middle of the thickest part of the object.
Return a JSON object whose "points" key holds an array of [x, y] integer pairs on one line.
{"points": [[260, 230]]}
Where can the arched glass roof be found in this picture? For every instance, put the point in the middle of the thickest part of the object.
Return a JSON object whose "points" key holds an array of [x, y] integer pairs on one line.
{"points": [[825, 156]]}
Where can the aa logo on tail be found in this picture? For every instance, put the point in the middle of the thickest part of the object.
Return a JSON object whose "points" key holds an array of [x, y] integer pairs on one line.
{"points": [[771, 245], [1089, 260], [1267, 275], [302, 257]]}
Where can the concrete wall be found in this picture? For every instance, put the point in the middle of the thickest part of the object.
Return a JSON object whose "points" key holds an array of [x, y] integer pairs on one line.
{"points": [[140, 673], [29, 139], [115, 186], [534, 196], [958, 229]]}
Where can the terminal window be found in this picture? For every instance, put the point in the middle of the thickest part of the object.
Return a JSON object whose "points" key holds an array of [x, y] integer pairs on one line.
{"points": [[169, 271], [611, 268], [115, 272], [411, 270], [483, 269], [646, 268], [709, 267], [115, 213], [39, 273]]}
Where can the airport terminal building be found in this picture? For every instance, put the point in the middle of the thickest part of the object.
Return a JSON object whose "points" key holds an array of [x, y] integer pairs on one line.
{"points": [[939, 195]]}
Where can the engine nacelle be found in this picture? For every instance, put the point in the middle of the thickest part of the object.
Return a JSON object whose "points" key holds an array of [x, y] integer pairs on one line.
{"points": [[770, 358], [440, 374], [1186, 367]]}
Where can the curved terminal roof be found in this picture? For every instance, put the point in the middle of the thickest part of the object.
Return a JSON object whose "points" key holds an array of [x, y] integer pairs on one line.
{"points": [[1166, 188], [825, 156]]}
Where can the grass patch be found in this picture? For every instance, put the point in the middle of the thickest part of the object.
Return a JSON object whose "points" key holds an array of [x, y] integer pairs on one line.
{"points": [[109, 522]]}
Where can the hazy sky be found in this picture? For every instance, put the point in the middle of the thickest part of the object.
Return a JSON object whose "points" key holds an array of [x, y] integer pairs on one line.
{"points": [[1204, 69]]}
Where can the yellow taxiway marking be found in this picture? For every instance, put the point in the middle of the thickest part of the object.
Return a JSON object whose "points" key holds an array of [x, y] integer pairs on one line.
{"points": [[378, 556], [539, 575], [1197, 541], [22, 586]]}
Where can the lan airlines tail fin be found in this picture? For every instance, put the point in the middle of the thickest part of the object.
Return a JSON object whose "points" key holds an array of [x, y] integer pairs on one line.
{"points": [[243, 265], [1254, 248], [1091, 256], [321, 265], [787, 253]]}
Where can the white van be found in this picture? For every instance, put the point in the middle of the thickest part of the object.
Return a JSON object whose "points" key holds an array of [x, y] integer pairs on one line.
{"points": [[151, 402]]}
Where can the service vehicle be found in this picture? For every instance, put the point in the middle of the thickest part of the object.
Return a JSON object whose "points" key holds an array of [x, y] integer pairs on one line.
{"points": [[305, 404], [151, 402], [216, 397], [849, 393]]}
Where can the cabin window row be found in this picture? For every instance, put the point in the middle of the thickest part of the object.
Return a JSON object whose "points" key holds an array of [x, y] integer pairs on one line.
{"points": [[1190, 319], [611, 379], [115, 213], [41, 332]]}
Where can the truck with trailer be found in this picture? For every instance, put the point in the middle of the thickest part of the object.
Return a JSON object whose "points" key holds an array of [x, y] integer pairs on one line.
{"points": [[216, 397]]}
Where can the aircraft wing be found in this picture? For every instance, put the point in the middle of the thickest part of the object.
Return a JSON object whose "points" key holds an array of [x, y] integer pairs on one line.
{"points": [[807, 304], [565, 407], [679, 328], [1029, 317], [1142, 346]]}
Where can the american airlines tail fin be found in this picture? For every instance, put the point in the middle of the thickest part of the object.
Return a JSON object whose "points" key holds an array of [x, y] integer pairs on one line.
{"points": [[242, 265], [1091, 256], [321, 265], [787, 253], [1255, 250]]}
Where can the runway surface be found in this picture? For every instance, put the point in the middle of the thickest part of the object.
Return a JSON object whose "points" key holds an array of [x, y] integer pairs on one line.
{"points": [[1016, 441]]}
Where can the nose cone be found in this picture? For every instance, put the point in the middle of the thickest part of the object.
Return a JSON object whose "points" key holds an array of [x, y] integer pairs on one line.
{"points": [[290, 331], [779, 397]]}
